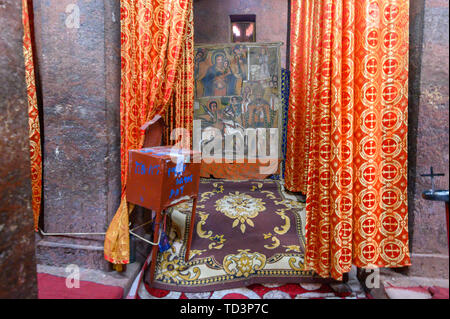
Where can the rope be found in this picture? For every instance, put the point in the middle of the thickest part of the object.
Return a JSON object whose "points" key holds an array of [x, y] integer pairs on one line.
{"points": [[63, 234], [102, 234]]}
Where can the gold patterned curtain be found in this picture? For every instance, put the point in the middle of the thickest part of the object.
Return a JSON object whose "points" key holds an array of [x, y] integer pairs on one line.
{"points": [[348, 122], [33, 112], [157, 79]]}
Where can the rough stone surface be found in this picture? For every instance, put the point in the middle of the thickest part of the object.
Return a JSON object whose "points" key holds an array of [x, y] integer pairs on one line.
{"points": [[17, 260], [212, 20], [431, 265], [428, 130], [386, 278], [80, 74]]}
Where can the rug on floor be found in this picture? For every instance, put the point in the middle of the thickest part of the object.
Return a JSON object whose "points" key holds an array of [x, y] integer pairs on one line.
{"points": [[245, 232]]}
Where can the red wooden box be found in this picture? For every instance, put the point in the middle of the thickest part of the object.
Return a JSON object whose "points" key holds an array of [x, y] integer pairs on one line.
{"points": [[162, 176]]}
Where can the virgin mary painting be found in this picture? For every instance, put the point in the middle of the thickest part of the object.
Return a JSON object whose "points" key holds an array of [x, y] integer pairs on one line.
{"points": [[219, 79]]}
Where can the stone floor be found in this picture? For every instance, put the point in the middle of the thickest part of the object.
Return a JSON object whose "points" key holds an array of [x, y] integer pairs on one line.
{"points": [[389, 277]]}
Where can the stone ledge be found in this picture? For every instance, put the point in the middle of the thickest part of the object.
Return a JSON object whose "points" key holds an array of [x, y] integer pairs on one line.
{"points": [[390, 277], [429, 266], [63, 254]]}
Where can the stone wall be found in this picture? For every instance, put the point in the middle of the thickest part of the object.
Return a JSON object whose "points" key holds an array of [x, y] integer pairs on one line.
{"points": [[212, 21], [79, 67], [17, 260]]}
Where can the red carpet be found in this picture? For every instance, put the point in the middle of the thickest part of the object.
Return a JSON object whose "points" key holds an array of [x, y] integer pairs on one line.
{"points": [[438, 292], [53, 287]]}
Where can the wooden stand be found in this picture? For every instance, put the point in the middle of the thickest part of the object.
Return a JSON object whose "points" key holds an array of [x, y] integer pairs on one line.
{"points": [[156, 236], [162, 177]]}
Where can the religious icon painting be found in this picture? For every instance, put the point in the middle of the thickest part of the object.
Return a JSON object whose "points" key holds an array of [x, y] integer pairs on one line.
{"points": [[219, 71], [237, 90], [264, 64]]}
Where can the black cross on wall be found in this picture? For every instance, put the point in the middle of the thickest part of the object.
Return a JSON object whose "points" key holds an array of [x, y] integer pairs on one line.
{"points": [[432, 175]]}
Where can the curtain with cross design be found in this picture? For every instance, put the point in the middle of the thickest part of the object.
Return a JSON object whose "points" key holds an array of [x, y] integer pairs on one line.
{"points": [[347, 131], [157, 48]]}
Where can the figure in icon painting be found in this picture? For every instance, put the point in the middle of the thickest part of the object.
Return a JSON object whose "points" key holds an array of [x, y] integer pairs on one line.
{"points": [[233, 111], [259, 111], [239, 59], [219, 79]]}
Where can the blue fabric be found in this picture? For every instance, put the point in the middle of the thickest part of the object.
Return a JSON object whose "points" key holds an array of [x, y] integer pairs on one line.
{"points": [[285, 78]]}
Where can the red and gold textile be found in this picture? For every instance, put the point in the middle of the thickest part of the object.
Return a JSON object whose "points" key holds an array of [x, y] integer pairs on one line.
{"points": [[33, 114], [347, 131], [157, 79]]}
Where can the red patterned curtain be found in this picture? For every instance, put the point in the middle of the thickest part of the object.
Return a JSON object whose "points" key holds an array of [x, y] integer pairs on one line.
{"points": [[33, 113], [157, 79], [348, 122]]}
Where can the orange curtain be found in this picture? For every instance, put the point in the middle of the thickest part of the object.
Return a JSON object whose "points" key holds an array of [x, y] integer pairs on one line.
{"points": [[157, 79], [33, 114], [348, 122]]}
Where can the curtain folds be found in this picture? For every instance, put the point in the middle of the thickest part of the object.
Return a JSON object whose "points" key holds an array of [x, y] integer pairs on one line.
{"points": [[33, 113], [348, 122], [157, 79]]}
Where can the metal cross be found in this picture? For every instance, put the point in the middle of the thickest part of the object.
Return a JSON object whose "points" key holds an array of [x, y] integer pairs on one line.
{"points": [[432, 175]]}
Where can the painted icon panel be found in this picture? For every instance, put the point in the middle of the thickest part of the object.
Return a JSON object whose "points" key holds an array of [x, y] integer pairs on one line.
{"points": [[236, 90]]}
